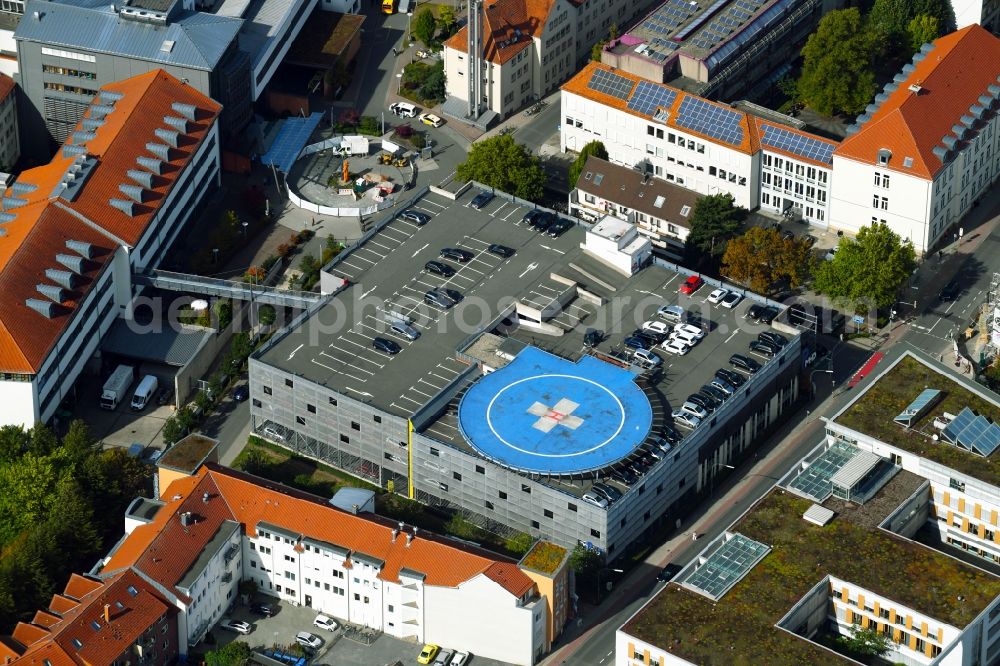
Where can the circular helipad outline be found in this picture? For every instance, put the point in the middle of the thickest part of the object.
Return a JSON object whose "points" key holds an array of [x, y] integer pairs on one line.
{"points": [[496, 396]]}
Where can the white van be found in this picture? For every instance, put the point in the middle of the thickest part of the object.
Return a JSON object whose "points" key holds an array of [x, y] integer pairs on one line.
{"points": [[144, 393], [403, 110]]}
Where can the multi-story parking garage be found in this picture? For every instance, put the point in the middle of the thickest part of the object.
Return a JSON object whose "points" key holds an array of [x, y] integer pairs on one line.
{"points": [[498, 409]]}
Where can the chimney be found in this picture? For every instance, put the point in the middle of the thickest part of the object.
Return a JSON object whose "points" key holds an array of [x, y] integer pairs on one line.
{"points": [[107, 613], [395, 533], [354, 509], [204, 498], [186, 518], [409, 539]]}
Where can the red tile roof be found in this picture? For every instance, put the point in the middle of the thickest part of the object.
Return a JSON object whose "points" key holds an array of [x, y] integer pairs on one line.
{"points": [[951, 77], [42, 222], [164, 550], [81, 636], [6, 86], [577, 85], [508, 28]]}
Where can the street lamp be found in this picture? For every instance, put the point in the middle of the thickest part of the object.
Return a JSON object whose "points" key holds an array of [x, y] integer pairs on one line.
{"points": [[599, 572], [245, 229], [716, 467]]}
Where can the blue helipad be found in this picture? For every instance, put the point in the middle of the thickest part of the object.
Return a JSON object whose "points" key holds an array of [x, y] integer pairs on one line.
{"points": [[544, 414]]}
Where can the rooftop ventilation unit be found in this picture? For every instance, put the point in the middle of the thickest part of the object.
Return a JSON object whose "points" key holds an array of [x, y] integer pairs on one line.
{"points": [[186, 110], [133, 192], [127, 207], [143, 178], [75, 177], [7, 217], [891, 87], [73, 150], [958, 131], [915, 88], [977, 110], [908, 68], [83, 136], [917, 57], [82, 248], [100, 110], [167, 46], [899, 78], [178, 124], [151, 163], [941, 152], [45, 308], [64, 278], [994, 90], [818, 515], [863, 118], [949, 141], [927, 47], [109, 97], [967, 120], [10, 203], [20, 187], [881, 97], [51, 292], [167, 136], [985, 101], [72, 262], [160, 150]]}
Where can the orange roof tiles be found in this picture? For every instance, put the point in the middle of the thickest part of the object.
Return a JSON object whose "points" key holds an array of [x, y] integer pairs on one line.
{"points": [[6, 86], [577, 85], [43, 222], [164, 550], [508, 27], [952, 77]]}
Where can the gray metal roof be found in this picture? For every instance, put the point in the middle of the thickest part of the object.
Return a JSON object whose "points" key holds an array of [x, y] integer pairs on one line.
{"points": [[856, 469], [168, 346], [199, 39]]}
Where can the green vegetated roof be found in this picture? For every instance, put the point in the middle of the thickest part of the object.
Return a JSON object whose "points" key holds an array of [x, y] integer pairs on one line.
{"points": [[740, 627], [873, 412], [188, 453], [544, 557]]}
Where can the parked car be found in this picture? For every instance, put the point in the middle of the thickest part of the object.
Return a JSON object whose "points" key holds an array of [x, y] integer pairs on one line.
{"points": [[717, 295], [685, 337], [386, 345], [443, 658], [610, 492], [723, 385], [668, 572], [164, 396], [646, 359], [690, 329], [658, 327], [624, 476], [415, 216], [776, 339], [267, 610], [651, 337], [744, 363], [543, 221], [763, 314], [453, 295], [241, 393], [691, 285], [403, 109], [763, 348], [692, 408], [428, 653], [501, 250], [239, 626], [731, 300], [431, 119], [636, 342], [532, 215], [703, 401], [676, 347], [670, 433], [456, 254], [438, 298], [715, 392], [686, 419], [327, 623], [595, 499], [405, 330], [558, 228], [481, 200], [305, 639], [272, 433], [951, 290], [592, 337], [436, 267], [460, 659], [672, 313], [733, 378]]}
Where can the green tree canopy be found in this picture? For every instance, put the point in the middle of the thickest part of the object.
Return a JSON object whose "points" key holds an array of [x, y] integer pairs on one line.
{"points": [[891, 18], [869, 270], [266, 314], [595, 148], [713, 222], [866, 642], [761, 259], [424, 26], [922, 29], [837, 68], [502, 163], [584, 561], [236, 653]]}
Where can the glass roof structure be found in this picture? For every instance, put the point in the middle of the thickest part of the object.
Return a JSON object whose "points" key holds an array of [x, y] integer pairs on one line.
{"points": [[814, 482], [973, 433], [717, 572], [919, 405]]}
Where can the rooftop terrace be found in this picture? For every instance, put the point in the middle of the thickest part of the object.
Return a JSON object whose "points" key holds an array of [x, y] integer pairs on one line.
{"points": [[740, 627], [889, 394]]}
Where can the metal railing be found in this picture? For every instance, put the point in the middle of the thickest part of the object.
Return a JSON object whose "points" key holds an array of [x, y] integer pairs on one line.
{"points": [[226, 288]]}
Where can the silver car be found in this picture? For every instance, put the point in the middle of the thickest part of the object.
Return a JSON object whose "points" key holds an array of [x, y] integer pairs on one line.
{"points": [[405, 330], [687, 420], [308, 640]]}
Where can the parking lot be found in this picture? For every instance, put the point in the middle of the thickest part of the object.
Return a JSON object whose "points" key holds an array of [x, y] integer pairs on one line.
{"points": [[121, 427], [337, 650]]}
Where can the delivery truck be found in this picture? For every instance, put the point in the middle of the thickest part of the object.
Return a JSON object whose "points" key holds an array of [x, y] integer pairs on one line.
{"points": [[116, 387]]}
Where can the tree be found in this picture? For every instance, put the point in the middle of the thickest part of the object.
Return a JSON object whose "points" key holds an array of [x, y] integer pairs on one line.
{"points": [[595, 148], [922, 29], [176, 426], [519, 543], [255, 462], [266, 315], [446, 20], [713, 222], [502, 163], [584, 561], [891, 18], [869, 270], [761, 258], [837, 68], [866, 642], [432, 90], [424, 26], [596, 49], [236, 653]]}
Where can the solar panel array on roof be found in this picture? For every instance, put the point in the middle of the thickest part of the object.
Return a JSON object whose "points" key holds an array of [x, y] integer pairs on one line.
{"points": [[648, 95], [610, 83], [779, 138], [973, 432], [716, 121], [919, 405], [726, 566]]}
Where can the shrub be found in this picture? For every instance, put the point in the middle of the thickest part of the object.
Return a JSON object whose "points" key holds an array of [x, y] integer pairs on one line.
{"points": [[418, 140], [284, 250], [403, 131]]}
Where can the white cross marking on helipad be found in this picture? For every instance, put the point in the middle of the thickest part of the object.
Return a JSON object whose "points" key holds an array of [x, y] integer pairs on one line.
{"points": [[560, 414]]}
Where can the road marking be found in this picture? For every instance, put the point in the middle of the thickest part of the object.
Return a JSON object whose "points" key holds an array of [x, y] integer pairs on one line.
{"points": [[367, 293], [426, 245], [295, 350], [950, 307], [733, 335], [551, 248], [532, 266]]}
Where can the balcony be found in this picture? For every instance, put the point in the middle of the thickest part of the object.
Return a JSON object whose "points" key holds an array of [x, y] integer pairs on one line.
{"points": [[227, 577], [231, 552]]}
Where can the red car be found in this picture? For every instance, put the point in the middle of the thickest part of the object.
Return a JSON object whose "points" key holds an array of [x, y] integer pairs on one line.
{"points": [[691, 285]]}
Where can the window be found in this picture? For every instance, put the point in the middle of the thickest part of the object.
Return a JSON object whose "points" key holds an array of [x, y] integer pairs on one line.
{"points": [[377, 418], [571, 506], [267, 390], [355, 426], [622, 523], [956, 484], [535, 524], [289, 384], [480, 469], [885, 203], [311, 408], [256, 402], [456, 476], [301, 420], [650, 130], [595, 533], [333, 401], [443, 486], [503, 495], [547, 513], [435, 452], [489, 505], [525, 488]]}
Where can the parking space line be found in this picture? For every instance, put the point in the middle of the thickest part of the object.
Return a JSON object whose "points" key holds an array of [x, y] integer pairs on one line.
{"points": [[375, 242], [470, 239], [512, 212]]}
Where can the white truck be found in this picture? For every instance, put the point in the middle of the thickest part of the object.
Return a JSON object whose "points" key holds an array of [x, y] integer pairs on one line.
{"points": [[144, 392], [117, 386]]}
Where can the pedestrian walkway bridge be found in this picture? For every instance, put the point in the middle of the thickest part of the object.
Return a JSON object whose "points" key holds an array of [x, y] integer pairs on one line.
{"points": [[206, 286]]}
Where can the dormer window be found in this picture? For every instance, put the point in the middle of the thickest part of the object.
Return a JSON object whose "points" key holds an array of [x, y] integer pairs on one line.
{"points": [[884, 154]]}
